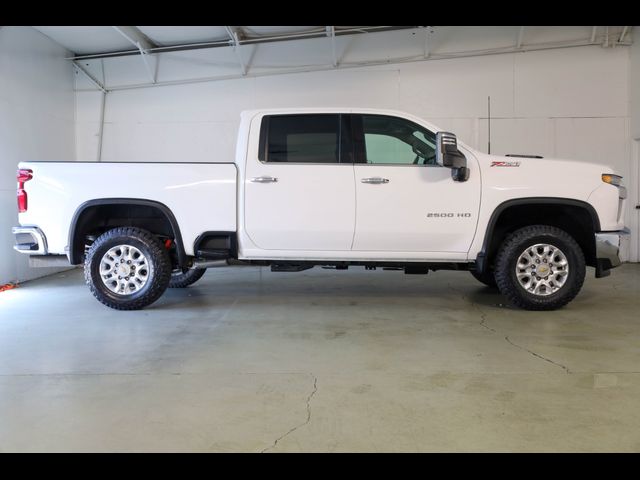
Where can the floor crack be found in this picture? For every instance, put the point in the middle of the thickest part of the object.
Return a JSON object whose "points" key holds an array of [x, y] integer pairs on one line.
{"points": [[483, 315], [308, 419], [566, 369], [483, 319]]}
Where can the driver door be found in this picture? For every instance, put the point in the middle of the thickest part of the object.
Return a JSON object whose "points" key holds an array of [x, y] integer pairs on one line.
{"points": [[405, 202]]}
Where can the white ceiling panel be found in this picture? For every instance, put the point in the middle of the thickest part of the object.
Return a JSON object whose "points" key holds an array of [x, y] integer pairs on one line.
{"points": [[170, 35], [85, 40], [262, 31]]}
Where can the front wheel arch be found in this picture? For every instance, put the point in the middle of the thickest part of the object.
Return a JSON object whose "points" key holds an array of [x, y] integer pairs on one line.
{"points": [[578, 218]]}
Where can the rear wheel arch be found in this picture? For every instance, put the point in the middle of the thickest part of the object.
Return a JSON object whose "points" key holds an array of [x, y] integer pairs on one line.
{"points": [[90, 215], [578, 218]]}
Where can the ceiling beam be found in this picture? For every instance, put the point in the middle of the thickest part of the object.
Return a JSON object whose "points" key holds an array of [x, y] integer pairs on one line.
{"points": [[520, 35], [143, 44], [234, 37], [385, 61], [331, 33], [136, 37], [91, 78], [427, 42], [241, 41], [622, 35]]}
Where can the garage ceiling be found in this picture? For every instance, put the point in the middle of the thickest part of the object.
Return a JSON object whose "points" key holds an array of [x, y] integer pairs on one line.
{"points": [[232, 51], [105, 40]]}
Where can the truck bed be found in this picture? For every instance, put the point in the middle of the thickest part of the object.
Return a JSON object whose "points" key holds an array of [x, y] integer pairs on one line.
{"points": [[202, 196]]}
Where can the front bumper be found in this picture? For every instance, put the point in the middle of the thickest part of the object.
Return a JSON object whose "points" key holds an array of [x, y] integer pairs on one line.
{"points": [[611, 249], [30, 240]]}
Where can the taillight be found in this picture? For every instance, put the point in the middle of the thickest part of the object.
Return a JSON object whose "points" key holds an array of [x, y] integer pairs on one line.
{"points": [[23, 175]]}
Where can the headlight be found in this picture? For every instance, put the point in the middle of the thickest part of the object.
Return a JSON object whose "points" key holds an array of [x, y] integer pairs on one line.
{"points": [[612, 179]]}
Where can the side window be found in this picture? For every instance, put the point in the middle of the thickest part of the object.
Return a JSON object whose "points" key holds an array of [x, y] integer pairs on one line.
{"points": [[310, 138], [396, 141]]}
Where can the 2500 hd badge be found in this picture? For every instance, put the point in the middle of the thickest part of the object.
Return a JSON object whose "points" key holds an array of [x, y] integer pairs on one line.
{"points": [[448, 215]]}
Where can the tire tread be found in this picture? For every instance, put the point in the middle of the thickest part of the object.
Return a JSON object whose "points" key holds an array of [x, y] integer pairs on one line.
{"points": [[508, 250], [162, 271], [188, 278]]}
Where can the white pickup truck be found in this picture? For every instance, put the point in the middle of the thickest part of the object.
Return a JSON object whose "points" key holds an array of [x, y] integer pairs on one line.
{"points": [[335, 187]]}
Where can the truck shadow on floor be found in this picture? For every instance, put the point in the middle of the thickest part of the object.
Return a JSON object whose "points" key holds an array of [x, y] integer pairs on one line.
{"points": [[277, 293]]}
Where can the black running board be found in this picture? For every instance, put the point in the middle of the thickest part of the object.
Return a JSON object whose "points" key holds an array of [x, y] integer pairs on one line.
{"points": [[289, 267]]}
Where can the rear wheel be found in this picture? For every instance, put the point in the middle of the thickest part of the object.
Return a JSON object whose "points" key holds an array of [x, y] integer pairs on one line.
{"points": [[180, 279], [127, 268], [540, 268], [485, 277]]}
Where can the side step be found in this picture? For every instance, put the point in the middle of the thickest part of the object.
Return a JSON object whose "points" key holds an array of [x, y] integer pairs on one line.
{"points": [[213, 254], [289, 267]]}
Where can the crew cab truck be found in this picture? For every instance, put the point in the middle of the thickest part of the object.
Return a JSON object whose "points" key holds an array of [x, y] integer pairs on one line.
{"points": [[335, 187]]}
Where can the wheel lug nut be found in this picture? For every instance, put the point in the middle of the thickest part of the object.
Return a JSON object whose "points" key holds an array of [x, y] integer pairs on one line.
{"points": [[538, 278], [129, 262]]}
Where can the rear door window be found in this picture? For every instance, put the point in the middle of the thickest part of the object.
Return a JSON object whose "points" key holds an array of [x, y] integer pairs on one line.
{"points": [[308, 138]]}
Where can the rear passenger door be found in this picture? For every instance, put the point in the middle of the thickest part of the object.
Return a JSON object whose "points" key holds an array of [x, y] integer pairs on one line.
{"points": [[299, 189]]}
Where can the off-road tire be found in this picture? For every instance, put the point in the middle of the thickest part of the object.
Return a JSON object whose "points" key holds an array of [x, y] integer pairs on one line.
{"points": [[515, 244], [159, 265], [485, 277], [180, 279]]}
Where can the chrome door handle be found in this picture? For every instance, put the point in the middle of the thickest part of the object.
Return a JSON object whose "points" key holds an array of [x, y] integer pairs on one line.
{"points": [[264, 179], [375, 180]]}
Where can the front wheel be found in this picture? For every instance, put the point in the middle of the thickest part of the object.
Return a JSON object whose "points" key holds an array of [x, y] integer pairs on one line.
{"points": [[540, 268], [127, 268]]}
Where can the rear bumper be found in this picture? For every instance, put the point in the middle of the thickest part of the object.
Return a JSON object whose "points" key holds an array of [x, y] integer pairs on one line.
{"points": [[611, 249], [30, 240]]}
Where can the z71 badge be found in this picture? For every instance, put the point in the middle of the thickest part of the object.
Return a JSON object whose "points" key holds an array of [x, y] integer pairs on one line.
{"points": [[505, 164]]}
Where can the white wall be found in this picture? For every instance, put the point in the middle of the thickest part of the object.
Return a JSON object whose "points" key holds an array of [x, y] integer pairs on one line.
{"points": [[36, 123], [540, 102]]}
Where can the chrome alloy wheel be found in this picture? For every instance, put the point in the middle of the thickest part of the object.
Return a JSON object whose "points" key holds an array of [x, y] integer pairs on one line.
{"points": [[542, 269], [124, 270]]}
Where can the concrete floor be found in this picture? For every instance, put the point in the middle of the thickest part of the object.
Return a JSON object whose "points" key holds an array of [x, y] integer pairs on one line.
{"points": [[323, 360]]}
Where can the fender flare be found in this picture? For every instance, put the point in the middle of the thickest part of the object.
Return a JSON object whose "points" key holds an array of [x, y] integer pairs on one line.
{"points": [[488, 234], [74, 257]]}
